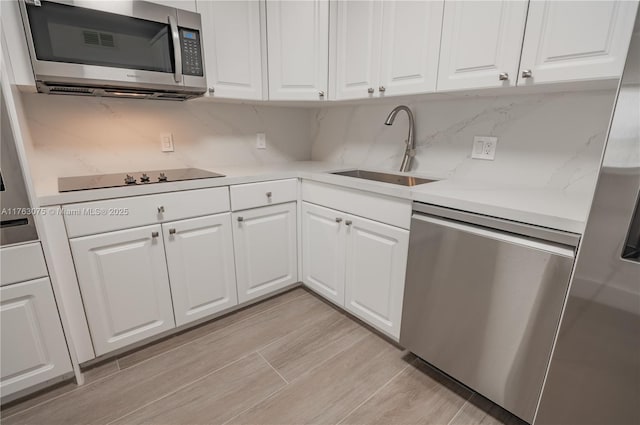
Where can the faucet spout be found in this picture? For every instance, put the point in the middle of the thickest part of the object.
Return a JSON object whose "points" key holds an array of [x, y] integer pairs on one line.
{"points": [[410, 150]]}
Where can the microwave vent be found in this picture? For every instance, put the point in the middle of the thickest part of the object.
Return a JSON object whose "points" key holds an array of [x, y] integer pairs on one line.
{"points": [[71, 90]]}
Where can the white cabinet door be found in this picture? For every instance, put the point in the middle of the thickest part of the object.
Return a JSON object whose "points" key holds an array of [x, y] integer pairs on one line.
{"points": [[323, 248], [265, 245], [33, 348], [201, 266], [298, 47], [124, 284], [189, 5], [481, 43], [410, 45], [376, 264], [16, 48], [231, 32], [576, 40]]}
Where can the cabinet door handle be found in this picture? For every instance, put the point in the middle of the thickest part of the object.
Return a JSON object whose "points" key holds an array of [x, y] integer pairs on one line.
{"points": [[503, 76], [321, 93], [154, 234], [240, 219], [269, 194], [172, 231], [160, 209], [370, 90], [382, 89], [348, 222], [338, 220], [212, 90], [527, 73]]}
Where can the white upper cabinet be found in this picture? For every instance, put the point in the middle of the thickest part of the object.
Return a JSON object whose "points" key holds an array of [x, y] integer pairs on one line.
{"points": [[233, 48], [124, 284], [266, 250], [201, 267], [355, 54], [298, 49], [481, 43], [189, 5], [410, 45], [385, 48], [16, 45], [572, 41]]}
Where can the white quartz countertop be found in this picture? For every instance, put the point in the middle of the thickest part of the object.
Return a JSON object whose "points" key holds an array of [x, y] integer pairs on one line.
{"points": [[542, 207]]}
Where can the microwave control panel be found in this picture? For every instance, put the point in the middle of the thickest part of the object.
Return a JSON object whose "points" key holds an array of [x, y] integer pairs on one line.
{"points": [[191, 52]]}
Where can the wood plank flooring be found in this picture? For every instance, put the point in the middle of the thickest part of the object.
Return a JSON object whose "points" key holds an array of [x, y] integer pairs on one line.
{"points": [[292, 359]]}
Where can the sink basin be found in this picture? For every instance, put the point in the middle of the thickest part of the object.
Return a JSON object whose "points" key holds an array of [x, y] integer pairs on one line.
{"points": [[384, 177]]}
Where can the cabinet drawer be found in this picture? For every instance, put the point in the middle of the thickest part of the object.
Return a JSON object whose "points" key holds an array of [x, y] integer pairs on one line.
{"points": [[102, 216], [251, 195], [386, 209], [22, 262]]}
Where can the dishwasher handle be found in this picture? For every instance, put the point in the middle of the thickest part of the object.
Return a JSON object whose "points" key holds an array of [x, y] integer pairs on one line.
{"points": [[512, 238]]}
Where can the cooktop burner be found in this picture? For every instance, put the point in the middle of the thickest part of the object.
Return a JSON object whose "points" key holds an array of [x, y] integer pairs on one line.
{"points": [[101, 181]]}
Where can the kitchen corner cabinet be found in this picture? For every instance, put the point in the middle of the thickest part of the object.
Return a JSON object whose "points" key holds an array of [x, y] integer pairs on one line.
{"points": [[265, 246], [481, 44], [298, 49], [232, 34], [385, 48], [33, 348], [124, 284], [201, 267], [357, 263], [572, 41]]}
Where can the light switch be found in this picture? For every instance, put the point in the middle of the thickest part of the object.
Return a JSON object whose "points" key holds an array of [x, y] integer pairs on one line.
{"points": [[166, 142], [261, 141], [484, 147]]}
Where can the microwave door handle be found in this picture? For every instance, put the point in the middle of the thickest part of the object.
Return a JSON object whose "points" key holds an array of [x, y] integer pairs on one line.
{"points": [[177, 51]]}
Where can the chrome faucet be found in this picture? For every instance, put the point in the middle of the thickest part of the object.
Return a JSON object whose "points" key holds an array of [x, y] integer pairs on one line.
{"points": [[410, 150]]}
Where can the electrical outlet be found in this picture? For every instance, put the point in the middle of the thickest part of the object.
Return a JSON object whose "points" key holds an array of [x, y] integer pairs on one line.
{"points": [[166, 142], [484, 147], [261, 141]]}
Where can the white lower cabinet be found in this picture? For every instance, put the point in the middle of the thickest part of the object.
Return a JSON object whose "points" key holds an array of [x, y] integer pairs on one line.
{"points": [[357, 263], [33, 348], [124, 284], [265, 246], [376, 261], [323, 247], [201, 266]]}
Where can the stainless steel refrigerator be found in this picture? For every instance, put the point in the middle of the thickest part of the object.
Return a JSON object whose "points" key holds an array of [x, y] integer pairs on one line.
{"points": [[594, 376]]}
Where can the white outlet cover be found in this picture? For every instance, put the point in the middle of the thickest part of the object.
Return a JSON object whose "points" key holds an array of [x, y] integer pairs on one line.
{"points": [[484, 147], [261, 141], [166, 142]]}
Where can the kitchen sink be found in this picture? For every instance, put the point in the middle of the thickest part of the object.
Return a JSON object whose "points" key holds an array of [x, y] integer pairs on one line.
{"points": [[384, 177]]}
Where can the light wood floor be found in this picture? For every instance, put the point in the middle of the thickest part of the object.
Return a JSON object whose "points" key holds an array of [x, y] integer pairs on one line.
{"points": [[292, 359]]}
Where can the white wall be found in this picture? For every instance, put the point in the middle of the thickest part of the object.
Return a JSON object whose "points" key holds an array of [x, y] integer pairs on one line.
{"points": [[545, 140], [74, 135]]}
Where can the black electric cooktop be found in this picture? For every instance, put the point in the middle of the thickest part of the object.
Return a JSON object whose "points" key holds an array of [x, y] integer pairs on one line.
{"points": [[101, 181]]}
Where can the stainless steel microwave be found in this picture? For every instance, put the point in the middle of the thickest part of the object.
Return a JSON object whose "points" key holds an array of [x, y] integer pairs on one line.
{"points": [[115, 48]]}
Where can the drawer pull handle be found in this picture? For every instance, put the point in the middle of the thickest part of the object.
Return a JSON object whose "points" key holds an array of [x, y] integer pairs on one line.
{"points": [[503, 76], [154, 234], [172, 231], [160, 209], [527, 73], [338, 220], [269, 194], [348, 222], [240, 219]]}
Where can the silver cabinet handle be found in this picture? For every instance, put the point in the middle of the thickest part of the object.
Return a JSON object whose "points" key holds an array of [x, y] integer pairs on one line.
{"points": [[527, 73], [268, 194], [338, 220], [160, 209], [240, 219], [382, 89], [212, 90], [503, 76], [154, 234], [370, 90], [172, 231], [348, 222], [321, 93], [177, 51]]}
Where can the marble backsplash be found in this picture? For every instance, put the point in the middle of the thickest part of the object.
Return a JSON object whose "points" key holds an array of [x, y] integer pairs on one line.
{"points": [[78, 135], [551, 140]]}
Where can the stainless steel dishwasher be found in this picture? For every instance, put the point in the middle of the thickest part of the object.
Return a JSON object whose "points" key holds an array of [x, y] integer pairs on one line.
{"points": [[482, 301]]}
